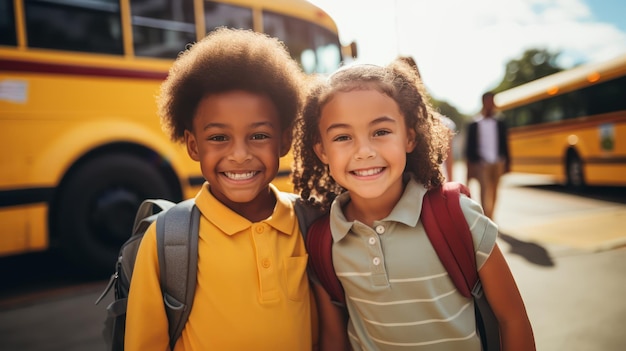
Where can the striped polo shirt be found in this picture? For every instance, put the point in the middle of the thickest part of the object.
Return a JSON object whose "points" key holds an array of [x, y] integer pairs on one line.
{"points": [[398, 293]]}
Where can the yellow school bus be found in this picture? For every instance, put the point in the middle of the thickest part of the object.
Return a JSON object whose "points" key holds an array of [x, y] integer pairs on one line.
{"points": [[81, 145], [570, 125]]}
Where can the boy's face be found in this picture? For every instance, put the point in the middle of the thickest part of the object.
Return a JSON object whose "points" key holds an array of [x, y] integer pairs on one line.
{"points": [[238, 141], [364, 141]]}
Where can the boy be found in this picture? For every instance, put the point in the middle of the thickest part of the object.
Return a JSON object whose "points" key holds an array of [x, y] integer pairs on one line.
{"points": [[232, 99]]}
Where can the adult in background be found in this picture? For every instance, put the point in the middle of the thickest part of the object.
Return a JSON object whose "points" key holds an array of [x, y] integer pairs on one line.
{"points": [[487, 152]]}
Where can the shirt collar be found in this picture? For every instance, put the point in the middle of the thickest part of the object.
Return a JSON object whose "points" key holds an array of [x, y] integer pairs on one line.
{"points": [[283, 218], [406, 211]]}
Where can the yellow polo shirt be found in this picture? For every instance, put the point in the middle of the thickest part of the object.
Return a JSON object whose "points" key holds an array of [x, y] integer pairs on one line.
{"points": [[252, 291]]}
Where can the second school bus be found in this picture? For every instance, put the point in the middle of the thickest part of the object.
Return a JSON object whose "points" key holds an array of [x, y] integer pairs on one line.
{"points": [[570, 125], [81, 145]]}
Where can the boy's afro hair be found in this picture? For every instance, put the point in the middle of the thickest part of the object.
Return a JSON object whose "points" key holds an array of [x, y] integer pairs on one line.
{"points": [[226, 60]]}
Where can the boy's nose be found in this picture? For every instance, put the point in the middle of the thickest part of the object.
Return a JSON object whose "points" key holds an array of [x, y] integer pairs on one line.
{"points": [[240, 153]]}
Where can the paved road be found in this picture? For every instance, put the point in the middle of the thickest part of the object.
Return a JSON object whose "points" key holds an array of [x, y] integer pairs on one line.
{"points": [[570, 274]]}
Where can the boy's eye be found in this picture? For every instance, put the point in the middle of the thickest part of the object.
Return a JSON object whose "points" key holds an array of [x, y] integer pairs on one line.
{"points": [[217, 138], [259, 136]]}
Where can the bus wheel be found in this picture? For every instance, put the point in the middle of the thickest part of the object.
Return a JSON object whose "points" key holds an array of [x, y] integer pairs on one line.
{"points": [[575, 177], [95, 210]]}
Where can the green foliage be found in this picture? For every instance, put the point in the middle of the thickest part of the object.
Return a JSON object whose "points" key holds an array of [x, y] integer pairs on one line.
{"points": [[451, 112], [534, 64]]}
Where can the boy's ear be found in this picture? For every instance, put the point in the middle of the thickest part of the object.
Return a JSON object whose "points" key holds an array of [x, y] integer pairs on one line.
{"points": [[410, 140], [285, 144], [320, 152], [192, 146]]}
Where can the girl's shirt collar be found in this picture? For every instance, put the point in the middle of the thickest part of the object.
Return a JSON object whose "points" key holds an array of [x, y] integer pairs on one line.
{"points": [[406, 211]]}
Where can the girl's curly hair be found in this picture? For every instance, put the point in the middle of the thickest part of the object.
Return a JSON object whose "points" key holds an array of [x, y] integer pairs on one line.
{"points": [[226, 60], [399, 81]]}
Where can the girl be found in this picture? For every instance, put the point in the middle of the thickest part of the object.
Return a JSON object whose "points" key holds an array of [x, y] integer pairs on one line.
{"points": [[377, 147]]}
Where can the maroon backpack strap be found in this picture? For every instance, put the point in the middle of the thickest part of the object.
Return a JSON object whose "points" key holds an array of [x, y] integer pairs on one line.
{"points": [[319, 242], [450, 235]]}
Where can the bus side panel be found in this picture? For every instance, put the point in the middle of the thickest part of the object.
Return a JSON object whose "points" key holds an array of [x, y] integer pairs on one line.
{"points": [[23, 229], [542, 155], [606, 163], [599, 142], [50, 121]]}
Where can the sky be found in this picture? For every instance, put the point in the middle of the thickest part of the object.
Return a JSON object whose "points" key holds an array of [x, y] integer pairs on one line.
{"points": [[462, 46]]}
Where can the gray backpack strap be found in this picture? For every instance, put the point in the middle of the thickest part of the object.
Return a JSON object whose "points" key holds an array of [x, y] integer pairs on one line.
{"points": [[177, 244], [143, 217], [306, 214]]}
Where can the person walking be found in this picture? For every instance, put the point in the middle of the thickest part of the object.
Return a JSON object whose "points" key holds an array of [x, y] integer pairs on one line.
{"points": [[487, 152]]}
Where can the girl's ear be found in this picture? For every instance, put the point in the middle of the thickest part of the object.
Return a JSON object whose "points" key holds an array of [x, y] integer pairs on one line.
{"points": [[410, 140], [192, 146], [319, 151], [285, 142]]}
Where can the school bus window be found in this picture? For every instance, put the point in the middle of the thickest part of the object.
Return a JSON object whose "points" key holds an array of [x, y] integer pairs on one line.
{"points": [[524, 116], [162, 29], [219, 14], [7, 23], [84, 26], [553, 112], [607, 97], [300, 36]]}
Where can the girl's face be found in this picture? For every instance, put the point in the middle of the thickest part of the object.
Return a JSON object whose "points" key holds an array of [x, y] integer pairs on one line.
{"points": [[364, 141], [238, 141]]}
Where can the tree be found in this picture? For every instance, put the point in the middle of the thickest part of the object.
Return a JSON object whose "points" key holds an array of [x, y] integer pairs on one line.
{"points": [[449, 111], [534, 64]]}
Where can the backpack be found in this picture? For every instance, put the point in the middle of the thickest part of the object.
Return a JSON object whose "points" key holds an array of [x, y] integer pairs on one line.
{"points": [[177, 247], [451, 238]]}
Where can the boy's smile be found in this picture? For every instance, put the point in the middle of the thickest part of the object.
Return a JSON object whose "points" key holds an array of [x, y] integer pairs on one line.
{"points": [[238, 141], [240, 176]]}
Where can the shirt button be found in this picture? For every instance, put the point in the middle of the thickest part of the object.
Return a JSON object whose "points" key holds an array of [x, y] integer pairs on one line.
{"points": [[380, 229], [259, 229], [372, 241], [376, 261], [266, 263]]}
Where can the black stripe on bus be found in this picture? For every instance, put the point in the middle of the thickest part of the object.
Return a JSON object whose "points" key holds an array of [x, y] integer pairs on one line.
{"points": [[537, 160], [55, 68], [606, 160], [283, 174], [560, 160], [196, 181], [26, 196]]}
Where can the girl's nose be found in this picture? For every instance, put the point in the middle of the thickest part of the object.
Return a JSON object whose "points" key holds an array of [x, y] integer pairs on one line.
{"points": [[364, 151]]}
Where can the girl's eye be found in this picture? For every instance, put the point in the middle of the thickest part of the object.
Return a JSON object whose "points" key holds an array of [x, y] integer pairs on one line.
{"points": [[259, 136], [382, 132], [217, 138]]}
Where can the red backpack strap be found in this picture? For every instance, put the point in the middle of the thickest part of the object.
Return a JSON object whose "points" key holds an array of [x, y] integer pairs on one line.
{"points": [[450, 235], [319, 242]]}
